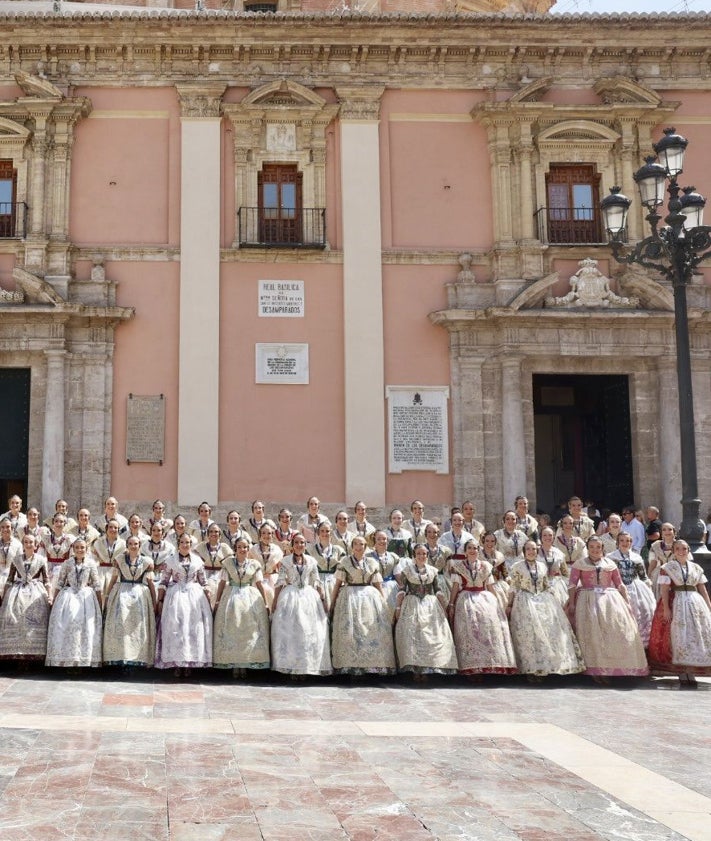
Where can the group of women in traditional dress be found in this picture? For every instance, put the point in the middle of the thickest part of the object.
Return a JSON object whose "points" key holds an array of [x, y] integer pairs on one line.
{"points": [[316, 599]]}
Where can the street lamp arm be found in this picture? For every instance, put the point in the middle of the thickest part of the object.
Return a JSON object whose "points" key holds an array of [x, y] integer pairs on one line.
{"points": [[683, 253], [644, 254]]}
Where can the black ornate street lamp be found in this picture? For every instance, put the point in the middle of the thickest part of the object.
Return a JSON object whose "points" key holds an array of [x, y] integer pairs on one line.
{"points": [[675, 249]]}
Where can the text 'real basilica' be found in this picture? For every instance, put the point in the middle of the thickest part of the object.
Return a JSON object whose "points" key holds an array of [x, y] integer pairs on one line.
{"points": [[270, 249]]}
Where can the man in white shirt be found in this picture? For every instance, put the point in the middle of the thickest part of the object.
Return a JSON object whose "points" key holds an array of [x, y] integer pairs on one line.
{"points": [[632, 526]]}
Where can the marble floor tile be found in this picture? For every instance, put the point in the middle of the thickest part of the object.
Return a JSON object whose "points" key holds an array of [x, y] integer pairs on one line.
{"points": [[335, 759]]}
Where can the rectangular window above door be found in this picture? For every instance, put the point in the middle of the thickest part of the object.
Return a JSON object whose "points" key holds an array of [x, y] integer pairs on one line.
{"points": [[571, 215]]}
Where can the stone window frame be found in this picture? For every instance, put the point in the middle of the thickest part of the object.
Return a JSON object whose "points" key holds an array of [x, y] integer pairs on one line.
{"points": [[572, 142], [15, 145], [280, 102]]}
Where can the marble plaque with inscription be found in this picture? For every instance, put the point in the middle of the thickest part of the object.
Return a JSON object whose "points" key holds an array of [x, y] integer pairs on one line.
{"points": [[418, 428], [145, 428], [281, 299], [282, 363]]}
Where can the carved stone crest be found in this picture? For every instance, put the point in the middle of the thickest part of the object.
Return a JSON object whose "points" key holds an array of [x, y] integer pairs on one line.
{"points": [[590, 288]]}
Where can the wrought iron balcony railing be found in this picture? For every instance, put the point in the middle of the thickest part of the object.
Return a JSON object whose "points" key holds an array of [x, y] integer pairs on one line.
{"points": [[268, 227], [569, 226], [13, 220]]}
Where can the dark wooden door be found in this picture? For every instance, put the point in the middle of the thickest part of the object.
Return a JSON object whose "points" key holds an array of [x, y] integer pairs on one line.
{"points": [[14, 431], [280, 205]]}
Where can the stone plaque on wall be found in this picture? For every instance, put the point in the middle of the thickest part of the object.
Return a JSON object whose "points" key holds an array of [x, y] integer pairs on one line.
{"points": [[418, 428], [281, 137], [282, 363], [145, 428], [281, 299]]}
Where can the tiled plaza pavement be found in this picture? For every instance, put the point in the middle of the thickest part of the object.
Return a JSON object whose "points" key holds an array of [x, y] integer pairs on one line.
{"points": [[151, 758]]}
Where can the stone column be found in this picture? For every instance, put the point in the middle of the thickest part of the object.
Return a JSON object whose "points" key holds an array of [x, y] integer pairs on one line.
{"points": [[36, 187], [524, 152], [668, 448], [198, 361], [362, 295], [500, 153], [513, 451], [53, 442]]}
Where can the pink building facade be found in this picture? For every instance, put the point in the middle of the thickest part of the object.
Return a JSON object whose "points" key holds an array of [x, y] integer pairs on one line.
{"points": [[331, 252]]}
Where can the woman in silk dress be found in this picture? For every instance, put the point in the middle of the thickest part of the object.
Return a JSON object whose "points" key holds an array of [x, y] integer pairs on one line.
{"points": [[57, 545], [233, 530], [158, 549], [24, 612], [602, 618], [341, 535], [75, 623], [439, 556], [399, 539], [270, 556], [284, 531], [660, 553], [362, 635], [184, 639], [499, 569], [555, 562], [481, 631], [214, 551], [360, 524], [180, 527], [135, 528], [639, 588], [389, 565], [543, 640], [241, 629], [681, 631], [9, 547], [423, 638], [300, 644], [309, 522], [572, 546], [105, 549], [130, 627], [328, 557], [510, 539]]}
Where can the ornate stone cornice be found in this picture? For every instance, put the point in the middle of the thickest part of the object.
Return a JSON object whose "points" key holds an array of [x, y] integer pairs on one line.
{"points": [[201, 101], [465, 51]]}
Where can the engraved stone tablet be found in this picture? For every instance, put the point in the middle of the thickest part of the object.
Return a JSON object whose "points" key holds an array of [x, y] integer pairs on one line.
{"points": [[281, 137], [281, 298], [283, 364], [418, 427], [145, 428]]}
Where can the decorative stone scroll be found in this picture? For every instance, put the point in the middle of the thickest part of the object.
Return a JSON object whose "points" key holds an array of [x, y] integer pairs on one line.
{"points": [[145, 428], [418, 428], [590, 288]]}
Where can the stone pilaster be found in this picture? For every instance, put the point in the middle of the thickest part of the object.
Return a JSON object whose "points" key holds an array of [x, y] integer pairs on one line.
{"points": [[362, 294], [513, 453], [53, 442], [199, 362]]}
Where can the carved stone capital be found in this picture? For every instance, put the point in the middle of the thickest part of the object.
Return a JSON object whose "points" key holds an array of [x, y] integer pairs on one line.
{"points": [[201, 101], [360, 103]]}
